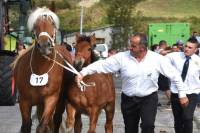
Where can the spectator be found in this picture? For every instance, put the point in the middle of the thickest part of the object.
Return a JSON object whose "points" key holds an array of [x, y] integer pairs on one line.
{"points": [[20, 47], [180, 44]]}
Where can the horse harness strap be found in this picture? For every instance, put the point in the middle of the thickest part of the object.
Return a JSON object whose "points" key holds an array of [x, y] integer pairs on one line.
{"points": [[82, 85]]}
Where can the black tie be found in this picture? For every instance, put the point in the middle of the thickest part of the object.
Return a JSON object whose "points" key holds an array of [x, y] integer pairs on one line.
{"points": [[185, 68]]}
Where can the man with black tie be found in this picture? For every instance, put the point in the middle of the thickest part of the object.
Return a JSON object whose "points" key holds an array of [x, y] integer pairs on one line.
{"points": [[187, 64]]}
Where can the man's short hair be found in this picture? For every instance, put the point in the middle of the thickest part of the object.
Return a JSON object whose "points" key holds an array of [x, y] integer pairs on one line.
{"points": [[162, 42], [193, 39], [143, 39]]}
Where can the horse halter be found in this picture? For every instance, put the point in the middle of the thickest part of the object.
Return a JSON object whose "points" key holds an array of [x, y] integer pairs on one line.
{"points": [[47, 34], [43, 33]]}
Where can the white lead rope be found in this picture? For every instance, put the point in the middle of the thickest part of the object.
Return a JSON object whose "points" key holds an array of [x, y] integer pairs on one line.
{"points": [[82, 85]]}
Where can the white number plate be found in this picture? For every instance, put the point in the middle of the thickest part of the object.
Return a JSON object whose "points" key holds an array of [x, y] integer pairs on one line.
{"points": [[39, 80]]}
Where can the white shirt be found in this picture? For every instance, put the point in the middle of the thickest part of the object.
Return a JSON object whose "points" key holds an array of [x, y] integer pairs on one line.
{"points": [[138, 78], [192, 81]]}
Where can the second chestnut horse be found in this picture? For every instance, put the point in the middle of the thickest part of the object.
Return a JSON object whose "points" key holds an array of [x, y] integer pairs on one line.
{"points": [[94, 98]]}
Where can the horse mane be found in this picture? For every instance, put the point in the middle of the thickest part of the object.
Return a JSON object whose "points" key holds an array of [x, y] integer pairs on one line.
{"points": [[84, 38], [40, 12], [13, 64]]}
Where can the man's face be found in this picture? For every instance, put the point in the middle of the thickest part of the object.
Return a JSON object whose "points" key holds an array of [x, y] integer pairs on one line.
{"points": [[135, 47], [190, 48]]}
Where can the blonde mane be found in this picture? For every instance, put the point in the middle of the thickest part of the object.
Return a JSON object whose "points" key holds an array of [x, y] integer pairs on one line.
{"points": [[40, 12]]}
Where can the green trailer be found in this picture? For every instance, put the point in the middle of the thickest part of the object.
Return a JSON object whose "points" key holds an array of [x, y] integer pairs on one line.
{"points": [[170, 32]]}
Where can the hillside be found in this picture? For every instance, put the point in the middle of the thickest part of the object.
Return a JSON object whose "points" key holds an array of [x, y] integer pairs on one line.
{"points": [[151, 10], [170, 8]]}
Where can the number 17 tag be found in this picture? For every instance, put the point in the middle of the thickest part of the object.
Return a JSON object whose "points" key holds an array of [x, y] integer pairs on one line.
{"points": [[39, 80]]}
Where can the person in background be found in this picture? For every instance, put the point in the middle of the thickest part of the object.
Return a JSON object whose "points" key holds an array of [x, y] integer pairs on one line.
{"points": [[180, 44], [20, 47], [175, 48], [187, 64], [139, 76], [163, 81], [155, 48], [163, 48], [70, 49]]}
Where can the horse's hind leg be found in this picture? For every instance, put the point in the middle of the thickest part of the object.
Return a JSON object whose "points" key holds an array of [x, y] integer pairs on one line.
{"points": [[25, 108], [110, 110], [57, 118], [70, 120], [78, 123]]}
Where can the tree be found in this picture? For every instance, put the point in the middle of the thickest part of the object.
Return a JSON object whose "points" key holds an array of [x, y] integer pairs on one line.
{"points": [[122, 14]]}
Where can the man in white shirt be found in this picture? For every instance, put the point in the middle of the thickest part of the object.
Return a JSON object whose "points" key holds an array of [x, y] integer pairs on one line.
{"points": [[183, 116], [139, 69]]}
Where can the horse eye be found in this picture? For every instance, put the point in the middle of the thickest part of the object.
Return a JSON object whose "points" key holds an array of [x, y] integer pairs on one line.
{"points": [[90, 49]]}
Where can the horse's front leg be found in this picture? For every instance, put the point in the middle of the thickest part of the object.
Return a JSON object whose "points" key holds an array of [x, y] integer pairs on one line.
{"points": [[110, 111], [49, 107], [25, 107], [93, 115], [70, 117]]}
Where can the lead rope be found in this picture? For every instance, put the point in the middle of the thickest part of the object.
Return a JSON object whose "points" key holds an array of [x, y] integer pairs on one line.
{"points": [[82, 85], [48, 57]]}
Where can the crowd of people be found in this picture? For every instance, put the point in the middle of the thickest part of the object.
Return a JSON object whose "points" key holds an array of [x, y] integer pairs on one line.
{"points": [[179, 66]]}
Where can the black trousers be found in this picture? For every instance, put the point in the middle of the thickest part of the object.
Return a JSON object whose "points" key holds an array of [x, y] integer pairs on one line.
{"points": [[136, 108], [183, 117]]}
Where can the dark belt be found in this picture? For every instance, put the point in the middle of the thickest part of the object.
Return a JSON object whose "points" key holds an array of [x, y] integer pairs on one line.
{"points": [[136, 97]]}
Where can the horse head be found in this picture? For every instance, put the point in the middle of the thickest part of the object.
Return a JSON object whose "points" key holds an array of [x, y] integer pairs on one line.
{"points": [[44, 24], [84, 50]]}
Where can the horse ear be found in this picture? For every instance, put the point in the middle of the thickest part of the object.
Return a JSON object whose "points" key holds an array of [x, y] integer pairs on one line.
{"points": [[77, 36], [93, 39]]}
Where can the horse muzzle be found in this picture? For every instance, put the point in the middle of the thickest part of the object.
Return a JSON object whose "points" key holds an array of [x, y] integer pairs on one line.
{"points": [[45, 48], [78, 63]]}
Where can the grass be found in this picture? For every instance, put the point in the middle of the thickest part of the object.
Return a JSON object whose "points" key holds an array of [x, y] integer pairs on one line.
{"points": [[170, 8]]}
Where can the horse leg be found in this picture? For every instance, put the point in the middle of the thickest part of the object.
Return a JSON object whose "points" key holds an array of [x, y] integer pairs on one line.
{"points": [[49, 106], [109, 110], [70, 117], [94, 113], [25, 108], [57, 118], [78, 123]]}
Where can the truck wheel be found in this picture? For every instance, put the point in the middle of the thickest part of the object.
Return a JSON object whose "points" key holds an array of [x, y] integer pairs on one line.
{"points": [[7, 95]]}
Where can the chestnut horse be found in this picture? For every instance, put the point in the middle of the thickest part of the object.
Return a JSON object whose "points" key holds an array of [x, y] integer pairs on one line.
{"points": [[94, 98], [38, 79]]}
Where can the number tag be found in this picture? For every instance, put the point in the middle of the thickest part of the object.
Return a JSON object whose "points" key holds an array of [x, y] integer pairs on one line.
{"points": [[39, 80]]}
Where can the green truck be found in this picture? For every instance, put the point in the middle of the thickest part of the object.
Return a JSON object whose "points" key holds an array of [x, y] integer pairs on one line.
{"points": [[170, 32]]}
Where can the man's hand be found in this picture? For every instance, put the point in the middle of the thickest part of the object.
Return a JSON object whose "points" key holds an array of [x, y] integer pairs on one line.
{"points": [[184, 101]]}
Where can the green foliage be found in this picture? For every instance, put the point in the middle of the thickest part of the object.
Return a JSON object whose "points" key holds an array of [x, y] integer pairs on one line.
{"points": [[122, 13], [130, 15]]}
